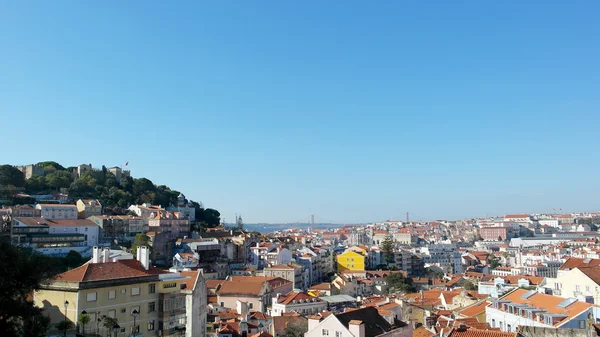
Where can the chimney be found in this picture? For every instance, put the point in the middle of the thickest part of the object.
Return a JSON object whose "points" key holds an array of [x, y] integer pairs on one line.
{"points": [[357, 328], [313, 321], [96, 254], [105, 255], [143, 255]]}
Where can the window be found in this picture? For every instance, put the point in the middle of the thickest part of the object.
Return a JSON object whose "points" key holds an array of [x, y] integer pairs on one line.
{"points": [[123, 310], [508, 327], [86, 229], [325, 332], [577, 288], [152, 288], [112, 294], [493, 323], [151, 306], [123, 290], [250, 305], [338, 334], [151, 325], [581, 324], [135, 291], [91, 297], [112, 313], [587, 288]]}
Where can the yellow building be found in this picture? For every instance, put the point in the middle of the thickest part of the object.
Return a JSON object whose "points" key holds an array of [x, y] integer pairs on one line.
{"points": [[350, 260], [128, 290]]}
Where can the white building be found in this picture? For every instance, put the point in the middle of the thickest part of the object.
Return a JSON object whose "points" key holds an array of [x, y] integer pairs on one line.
{"points": [[365, 322], [299, 302], [523, 307], [57, 211], [55, 236], [444, 255]]}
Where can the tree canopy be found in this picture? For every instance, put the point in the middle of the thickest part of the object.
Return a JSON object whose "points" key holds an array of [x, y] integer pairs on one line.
{"points": [[140, 240], [18, 315], [295, 329], [387, 247], [11, 179], [397, 282]]}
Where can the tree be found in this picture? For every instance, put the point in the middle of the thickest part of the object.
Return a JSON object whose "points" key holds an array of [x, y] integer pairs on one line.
{"points": [[387, 247], [10, 179], [109, 322], [397, 282], [58, 179], [51, 166], [500, 238], [140, 240], [83, 320], [36, 184], [73, 260], [295, 329], [64, 326], [240, 223], [469, 285], [209, 218], [18, 315]]}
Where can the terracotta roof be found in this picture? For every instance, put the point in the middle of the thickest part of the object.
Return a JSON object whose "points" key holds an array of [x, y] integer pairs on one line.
{"points": [[191, 279], [213, 284], [575, 262], [108, 271], [422, 332], [321, 286], [35, 221], [592, 272], [281, 322], [240, 288], [297, 297], [472, 332], [548, 302], [516, 216], [475, 309]]}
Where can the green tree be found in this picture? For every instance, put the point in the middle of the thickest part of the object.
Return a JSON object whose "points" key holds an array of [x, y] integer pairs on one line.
{"points": [[109, 322], [387, 247], [58, 179], [83, 320], [295, 329], [64, 326], [500, 238], [73, 260], [51, 166], [11, 179], [36, 184], [470, 285], [240, 223], [140, 240], [83, 187], [208, 218], [397, 282], [18, 315]]}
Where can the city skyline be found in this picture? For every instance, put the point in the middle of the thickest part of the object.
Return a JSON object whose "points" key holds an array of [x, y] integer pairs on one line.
{"points": [[352, 112]]}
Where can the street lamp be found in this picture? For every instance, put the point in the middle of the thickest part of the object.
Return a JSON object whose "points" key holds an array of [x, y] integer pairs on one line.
{"points": [[66, 305], [134, 313], [116, 329]]}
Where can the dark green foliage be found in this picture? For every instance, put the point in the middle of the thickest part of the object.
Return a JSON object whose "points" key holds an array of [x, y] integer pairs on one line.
{"points": [[140, 240], [18, 316], [470, 285], [58, 179], [51, 166], [398, 283], [11, 179], [208, 218], [295, 329], [387, 247]]}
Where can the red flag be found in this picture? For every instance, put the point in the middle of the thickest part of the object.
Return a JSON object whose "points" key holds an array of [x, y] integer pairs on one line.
{"points": [[127, 163]]}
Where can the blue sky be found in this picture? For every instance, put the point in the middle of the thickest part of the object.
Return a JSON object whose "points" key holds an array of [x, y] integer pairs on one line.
{"points": [[350, 110]]}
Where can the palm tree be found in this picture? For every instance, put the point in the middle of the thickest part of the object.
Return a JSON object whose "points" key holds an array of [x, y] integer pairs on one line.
{"points": [[84, 319]]}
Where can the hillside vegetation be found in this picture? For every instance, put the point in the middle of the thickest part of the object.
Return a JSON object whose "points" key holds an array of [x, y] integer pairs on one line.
{"points": [[115, 196]]}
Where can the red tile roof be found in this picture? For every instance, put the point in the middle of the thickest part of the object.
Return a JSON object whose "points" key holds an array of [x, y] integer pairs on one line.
{"points": [[575, 262], [108, 271], [472, 332]]}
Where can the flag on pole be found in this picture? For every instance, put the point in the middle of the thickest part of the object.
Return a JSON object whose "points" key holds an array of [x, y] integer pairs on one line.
{"points": [[127, 163]]}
